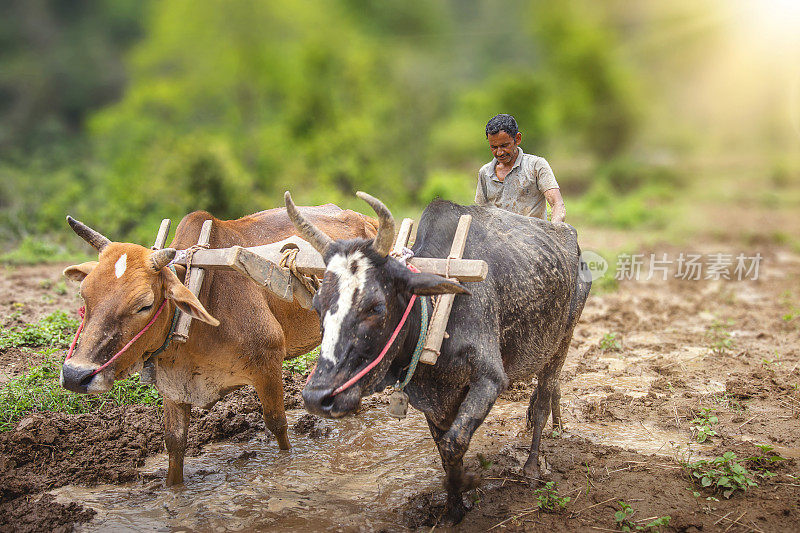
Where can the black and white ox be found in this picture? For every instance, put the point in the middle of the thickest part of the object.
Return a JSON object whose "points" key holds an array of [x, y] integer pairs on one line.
{"points": [[515, 325]]}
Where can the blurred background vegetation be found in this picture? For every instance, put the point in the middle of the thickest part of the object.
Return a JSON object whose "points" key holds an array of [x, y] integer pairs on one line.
{"points": [[123, 112]]}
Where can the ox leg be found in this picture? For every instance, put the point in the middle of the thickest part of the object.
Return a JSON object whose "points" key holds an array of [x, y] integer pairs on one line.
{"points": [[546, 397], [176, 426], [454, 442], [555, 406], [270, 392], [541, 411]]}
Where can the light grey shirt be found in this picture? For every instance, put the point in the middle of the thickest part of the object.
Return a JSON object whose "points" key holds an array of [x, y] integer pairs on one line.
{"points": [[522, 191]]}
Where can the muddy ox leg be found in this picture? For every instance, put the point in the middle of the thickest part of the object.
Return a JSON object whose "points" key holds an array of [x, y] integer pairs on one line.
{"points": [[555, 407], [454, 442], [547, 395], [269, 387], [176, 425]]}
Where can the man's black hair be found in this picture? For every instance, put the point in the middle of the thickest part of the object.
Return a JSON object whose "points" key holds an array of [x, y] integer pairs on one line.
{"points": [[500, 123]]}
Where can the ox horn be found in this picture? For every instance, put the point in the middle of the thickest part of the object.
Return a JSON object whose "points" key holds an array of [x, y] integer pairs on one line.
{"points": [[161, 258], [89, 235], [385, 237], [307, 230]]}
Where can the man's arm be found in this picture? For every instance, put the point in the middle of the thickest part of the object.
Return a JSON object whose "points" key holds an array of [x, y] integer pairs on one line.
{"points": [[556, 204]]}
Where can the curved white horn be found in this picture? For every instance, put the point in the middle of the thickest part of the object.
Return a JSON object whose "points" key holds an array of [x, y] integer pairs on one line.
{"points": [[307, 230], [97, 240], [385, 237]]}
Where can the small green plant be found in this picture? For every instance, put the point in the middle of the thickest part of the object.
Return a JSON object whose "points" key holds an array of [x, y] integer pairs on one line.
{"points": [[548, 500], [302, 364], [760, 464], [793, 311], [39, 390], [719, 337], [702, 425], [728, 401], [610, 342], [624, 522], [723, 474], [771, 364], [56, 329], [60, 288], [484, 462]]}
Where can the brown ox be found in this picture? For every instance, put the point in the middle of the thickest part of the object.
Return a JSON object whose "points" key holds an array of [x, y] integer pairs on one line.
{"points": [[256, 331]]}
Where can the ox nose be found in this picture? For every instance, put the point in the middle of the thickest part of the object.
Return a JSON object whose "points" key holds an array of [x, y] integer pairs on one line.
{"points": [[76, 379], [318, 401]]}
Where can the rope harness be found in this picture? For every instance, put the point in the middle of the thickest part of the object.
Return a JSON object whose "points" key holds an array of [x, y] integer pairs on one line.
{"points": [[288, 261], [189, 253]]}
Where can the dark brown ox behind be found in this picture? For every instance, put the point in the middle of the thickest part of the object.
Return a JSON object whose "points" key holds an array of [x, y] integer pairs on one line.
{"points": [[254, 333]]}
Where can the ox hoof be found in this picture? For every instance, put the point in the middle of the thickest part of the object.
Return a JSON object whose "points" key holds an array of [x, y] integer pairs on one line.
{"points": [[532, 471], [453, 515]]}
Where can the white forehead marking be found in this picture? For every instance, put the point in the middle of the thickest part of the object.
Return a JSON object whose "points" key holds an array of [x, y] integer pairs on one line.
{"points": [[348, 284], [121, 265]]}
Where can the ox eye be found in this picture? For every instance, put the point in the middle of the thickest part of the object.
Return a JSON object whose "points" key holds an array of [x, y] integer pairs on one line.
{"points": [[377, 309], [145, 308]]}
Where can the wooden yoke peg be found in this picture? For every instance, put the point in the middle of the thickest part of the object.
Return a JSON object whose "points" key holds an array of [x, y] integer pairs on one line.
{"points": [[402, 236], [195, 275], [444, 303], [161, 237], [148, 372]]}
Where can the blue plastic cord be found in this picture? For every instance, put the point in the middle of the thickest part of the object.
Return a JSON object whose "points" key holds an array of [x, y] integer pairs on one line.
{"points": [[423, 333]]}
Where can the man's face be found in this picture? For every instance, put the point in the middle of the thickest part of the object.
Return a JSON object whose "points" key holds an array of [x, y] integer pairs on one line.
{"points": [[504, 146]]}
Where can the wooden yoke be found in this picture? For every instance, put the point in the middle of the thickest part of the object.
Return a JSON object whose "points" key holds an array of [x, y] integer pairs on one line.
{"points": [[195, 275], [309, 262], [148, 372], [402, 236], [161, 237], [444, 303]]}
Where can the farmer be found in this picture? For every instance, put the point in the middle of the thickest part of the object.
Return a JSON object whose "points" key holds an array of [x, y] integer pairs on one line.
{"points": [[514, 180]]}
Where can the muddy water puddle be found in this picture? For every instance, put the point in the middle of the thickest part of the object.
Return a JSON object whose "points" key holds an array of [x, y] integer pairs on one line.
{"points": [[348, 475], [352, 477]]}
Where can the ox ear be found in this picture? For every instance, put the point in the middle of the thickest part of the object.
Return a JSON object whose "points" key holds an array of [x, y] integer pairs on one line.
{"points": [[186, 301], [78, 272], [424, 284]]}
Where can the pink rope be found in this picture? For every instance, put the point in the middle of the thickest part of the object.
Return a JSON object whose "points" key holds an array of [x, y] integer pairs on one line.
{"points": [[378, 359], [82, 314], [75, 340]]}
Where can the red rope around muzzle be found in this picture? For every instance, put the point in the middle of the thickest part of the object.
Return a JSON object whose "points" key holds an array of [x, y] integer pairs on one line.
{"points": [[378, 359], [82, 313]]}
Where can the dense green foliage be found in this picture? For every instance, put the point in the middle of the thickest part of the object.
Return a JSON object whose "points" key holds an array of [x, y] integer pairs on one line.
{"points": [[223, 105]]}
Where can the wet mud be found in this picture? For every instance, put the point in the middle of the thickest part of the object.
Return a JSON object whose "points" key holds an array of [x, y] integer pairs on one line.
{"points": [[627, 433]]}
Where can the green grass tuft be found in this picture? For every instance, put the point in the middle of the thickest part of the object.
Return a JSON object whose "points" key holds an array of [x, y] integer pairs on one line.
{"points": [[56, 329], [302, 364], [39, 390]]}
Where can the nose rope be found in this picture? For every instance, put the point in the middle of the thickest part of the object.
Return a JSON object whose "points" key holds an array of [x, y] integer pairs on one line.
{"points": [[378, 359], [81, 311], [82, 314]]}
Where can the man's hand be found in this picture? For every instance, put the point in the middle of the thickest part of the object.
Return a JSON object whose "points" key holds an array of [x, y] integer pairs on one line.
{"points": [[556, 204]]}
